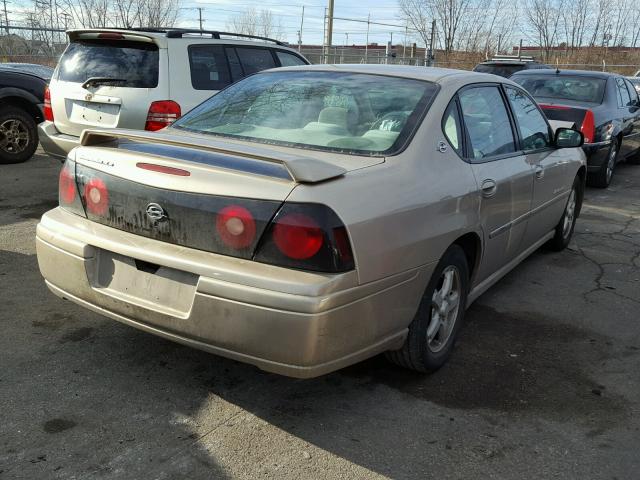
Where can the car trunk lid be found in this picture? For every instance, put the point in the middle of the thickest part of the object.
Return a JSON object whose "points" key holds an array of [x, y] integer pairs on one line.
{"points": [[164, 187]]}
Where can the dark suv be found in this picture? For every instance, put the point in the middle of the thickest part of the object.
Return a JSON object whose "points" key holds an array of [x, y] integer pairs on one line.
{"points": [[505, 66]]}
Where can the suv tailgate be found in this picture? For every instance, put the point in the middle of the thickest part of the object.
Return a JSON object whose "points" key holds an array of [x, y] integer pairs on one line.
{"points": [[138, 67]]}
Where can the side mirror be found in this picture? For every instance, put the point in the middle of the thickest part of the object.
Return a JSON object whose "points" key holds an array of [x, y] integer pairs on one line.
{"points": [[568, 138]]}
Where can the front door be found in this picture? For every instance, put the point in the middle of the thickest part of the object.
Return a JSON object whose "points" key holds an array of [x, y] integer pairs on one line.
{"points": [[550, 165], [503, 175]]}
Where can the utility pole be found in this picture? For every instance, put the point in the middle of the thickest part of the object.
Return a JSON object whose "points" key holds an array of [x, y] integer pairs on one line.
{"points": [[6, 16], [300, 31], [366, 43], [328, 41], [432, 41], [200, 16]]}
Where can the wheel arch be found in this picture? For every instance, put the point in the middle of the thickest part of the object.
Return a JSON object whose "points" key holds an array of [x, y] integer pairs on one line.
{"points": [[471, 244], [24, 100]]}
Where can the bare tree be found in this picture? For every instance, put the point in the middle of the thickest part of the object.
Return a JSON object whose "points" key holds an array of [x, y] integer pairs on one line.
{"points": [[122, 13], [256, 22], [544, 16]]}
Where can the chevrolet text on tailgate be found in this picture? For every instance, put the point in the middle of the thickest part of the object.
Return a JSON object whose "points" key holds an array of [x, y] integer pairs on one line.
{"points": [[307, 218]]}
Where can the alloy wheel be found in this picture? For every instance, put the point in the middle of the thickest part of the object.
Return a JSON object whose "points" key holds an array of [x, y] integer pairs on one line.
{"points": [[14, 136], [569, 214], [445, 304]]}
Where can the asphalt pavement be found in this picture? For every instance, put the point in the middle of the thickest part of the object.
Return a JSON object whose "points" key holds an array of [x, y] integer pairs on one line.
{"points": [[544, 382]]}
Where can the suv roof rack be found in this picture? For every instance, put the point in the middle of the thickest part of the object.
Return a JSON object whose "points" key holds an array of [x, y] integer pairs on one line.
{"points": [[179, 32], [518, 58]]}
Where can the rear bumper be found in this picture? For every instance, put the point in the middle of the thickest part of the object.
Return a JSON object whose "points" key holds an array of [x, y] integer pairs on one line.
{"points": [[293, 323], [55, 143], [596, 154]]}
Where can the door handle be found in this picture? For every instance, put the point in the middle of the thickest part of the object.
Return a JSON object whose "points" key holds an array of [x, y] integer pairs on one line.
{"points": [[488, 188], [539, 172]]}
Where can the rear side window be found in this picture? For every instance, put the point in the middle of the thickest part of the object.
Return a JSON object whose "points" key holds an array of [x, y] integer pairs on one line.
{"points": [[289, 59], [488, 125], [134, 63], [633, 93], [255, 59], [209, 69], [451, 127], [623, 94]]}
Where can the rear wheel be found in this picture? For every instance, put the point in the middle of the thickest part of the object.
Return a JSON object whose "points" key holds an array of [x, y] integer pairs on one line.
{"points": [[433, 331], [564, 229], [18, 135], [602, 178]]}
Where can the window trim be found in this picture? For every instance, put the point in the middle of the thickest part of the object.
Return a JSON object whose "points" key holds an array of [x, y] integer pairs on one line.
{"points": [[515, 121], [468, 154], [195, 46]]}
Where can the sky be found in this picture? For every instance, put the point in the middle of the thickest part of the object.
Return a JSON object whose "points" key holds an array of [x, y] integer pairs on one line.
{"points": [[216, 14]]}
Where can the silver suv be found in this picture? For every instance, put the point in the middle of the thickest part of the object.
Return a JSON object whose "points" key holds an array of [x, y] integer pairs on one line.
{"points": [[146, 79]]}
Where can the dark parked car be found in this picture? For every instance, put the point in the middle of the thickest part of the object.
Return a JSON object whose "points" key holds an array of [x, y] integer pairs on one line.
{"points": [[604, 106], [505, 66], [21, 101], [635, 81]]}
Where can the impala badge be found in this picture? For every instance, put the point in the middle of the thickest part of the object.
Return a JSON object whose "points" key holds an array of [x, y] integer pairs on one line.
{"points": [[156, 213]]}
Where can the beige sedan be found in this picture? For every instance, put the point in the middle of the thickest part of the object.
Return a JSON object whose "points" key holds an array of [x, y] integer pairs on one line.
{"points": [[307, 218]]}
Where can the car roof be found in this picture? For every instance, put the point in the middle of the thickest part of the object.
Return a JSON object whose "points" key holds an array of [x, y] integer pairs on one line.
{"points": [[40, 71], [431, 74], [160, 36], [573, 73]]}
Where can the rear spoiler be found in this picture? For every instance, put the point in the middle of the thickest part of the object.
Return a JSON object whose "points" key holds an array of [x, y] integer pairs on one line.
{"points": [[301, 169]]}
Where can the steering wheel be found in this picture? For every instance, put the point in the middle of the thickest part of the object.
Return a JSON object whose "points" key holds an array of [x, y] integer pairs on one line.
{"points": [[391, 122]]}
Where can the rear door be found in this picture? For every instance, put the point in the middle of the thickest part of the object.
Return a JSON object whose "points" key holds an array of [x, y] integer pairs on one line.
{"points": [[551, 180], [133, 72], [503, 174]]}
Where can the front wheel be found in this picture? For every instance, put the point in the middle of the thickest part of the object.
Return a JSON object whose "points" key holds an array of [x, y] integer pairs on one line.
{"points": [[433, 331], [567, 223]]}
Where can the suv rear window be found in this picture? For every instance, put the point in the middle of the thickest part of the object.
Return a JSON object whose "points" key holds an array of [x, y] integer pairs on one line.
{"points": [[504, 70], [134, 62]]}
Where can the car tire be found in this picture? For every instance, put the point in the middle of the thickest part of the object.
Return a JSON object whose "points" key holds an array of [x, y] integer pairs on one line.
{"points": [[432, 333], [18, 135], [602, 178], [567, 223]]}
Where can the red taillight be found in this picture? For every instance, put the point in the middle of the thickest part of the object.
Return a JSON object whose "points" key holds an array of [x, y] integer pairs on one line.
{"points": [[163, 169], [162, 114], [111, 36], [48, 111], [96, 196], [588, 127], [236, 227], [67, 186], [298, 236]]}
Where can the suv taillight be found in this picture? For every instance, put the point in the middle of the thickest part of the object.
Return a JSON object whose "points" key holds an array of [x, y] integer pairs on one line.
{"points": [[307, 236], [48, 111], [162, 114]]}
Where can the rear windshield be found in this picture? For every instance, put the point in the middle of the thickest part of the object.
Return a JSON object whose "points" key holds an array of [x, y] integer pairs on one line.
{"points": [[135, 63], [564, 87], [497, 69], [346, 112]]}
